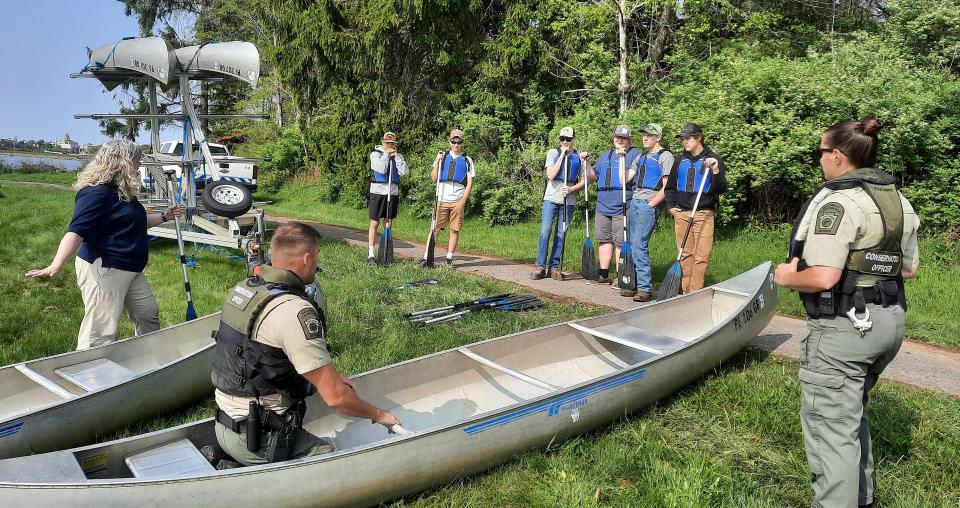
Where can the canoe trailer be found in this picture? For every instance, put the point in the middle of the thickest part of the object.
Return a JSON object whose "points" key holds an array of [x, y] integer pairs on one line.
{"points": [[153, 60]]}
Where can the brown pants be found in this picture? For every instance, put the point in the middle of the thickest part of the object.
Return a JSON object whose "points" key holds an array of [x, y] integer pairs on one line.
{"points": [[696, 254], [451, 213]]}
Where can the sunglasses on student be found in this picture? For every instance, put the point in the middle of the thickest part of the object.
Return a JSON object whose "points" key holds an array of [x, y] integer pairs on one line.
{"points": [[456, 142], [564, 139]]}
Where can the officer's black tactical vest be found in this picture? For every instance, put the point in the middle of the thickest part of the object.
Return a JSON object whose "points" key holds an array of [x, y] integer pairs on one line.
{"points": [[885, 259], [244, 367]]}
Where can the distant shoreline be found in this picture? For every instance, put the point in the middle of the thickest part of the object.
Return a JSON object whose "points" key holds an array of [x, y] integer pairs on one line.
{"points": [[44, 155]]}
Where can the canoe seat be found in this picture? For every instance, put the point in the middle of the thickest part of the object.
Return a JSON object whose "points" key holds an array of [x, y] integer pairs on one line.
{"points": [[172, 460], [631, 342], [96, 374]]}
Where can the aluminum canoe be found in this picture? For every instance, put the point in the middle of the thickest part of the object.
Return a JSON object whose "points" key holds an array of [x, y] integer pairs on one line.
{"points": [[235, 59], [470, 408], [133, 58], [69, 399]]}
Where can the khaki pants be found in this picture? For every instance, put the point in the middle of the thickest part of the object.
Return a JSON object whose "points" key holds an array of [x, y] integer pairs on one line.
{"points": [[838, 368], [696, 254], [235, 445], [107, 293]]}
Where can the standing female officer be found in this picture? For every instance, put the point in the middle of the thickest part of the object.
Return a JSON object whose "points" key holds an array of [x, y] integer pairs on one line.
{"points": [[108, 233], [852, 246]]}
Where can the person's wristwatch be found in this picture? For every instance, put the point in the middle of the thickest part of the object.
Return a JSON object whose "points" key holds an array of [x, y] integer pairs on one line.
{"points": [[163, 216]]}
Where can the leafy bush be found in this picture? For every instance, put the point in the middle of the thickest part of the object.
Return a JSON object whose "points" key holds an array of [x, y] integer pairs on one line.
{"points": [[286, 159]]}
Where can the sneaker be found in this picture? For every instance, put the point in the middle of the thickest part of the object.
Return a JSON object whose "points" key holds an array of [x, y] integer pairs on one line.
{"points": [[448, 262], [540, 274], [628, 293], [371, 260], [213, 454], [603, 280], [643, 296], [422, 263], [558, 275]]}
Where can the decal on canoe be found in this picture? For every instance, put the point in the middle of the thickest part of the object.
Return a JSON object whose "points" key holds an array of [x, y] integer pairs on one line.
{"points": [[9, 430], [95, 465], [569, 402], [752, 309]]}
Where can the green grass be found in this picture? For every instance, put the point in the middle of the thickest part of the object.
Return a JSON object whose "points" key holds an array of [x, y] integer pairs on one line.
{"points": [[732, 439], [934, 296], [60, 177]]}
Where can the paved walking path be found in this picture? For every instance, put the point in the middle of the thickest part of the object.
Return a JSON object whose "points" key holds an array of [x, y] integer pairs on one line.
{"points": [[918, 364]]}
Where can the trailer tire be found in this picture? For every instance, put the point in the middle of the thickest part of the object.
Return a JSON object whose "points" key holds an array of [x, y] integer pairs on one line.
{"points": [[227, 199]]}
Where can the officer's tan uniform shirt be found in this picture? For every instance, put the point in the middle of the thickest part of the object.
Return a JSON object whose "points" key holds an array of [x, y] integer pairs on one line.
{"points": [[287, 323], [848, 220]]}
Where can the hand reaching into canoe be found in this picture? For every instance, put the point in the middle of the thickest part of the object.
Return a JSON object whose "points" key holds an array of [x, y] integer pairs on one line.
{"points": [[341, 395]]}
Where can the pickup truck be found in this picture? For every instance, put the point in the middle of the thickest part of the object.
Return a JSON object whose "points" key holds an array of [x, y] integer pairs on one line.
{"points": [[238, 172]]}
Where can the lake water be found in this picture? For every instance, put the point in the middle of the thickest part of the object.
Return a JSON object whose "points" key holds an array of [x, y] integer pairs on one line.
{"points": [[64, 164]]}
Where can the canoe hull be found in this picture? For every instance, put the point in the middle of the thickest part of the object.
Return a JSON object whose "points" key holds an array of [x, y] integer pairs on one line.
{"points": [[403, 465], [80, 420]]}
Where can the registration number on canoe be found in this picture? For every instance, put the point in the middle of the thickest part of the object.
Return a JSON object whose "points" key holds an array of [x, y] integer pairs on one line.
{"points": [[744, 317]]}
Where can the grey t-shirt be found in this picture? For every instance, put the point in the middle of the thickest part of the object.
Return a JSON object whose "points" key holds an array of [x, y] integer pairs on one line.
{"points": [[666, 165], [552, 191]]}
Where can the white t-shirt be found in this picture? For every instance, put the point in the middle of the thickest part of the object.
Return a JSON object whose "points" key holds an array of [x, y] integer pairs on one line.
{"points": [[552, 191], [453, 191]]}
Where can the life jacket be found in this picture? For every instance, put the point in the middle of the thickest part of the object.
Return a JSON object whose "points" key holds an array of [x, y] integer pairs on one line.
{"points": [[690, 175], [244, 367], [573, 171], [383, 177], [454, 169], [650, 174], [608, 170], [883, 260]]}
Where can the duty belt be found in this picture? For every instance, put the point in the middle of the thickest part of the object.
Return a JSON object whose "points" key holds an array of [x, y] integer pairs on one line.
{"points": [[268, 419]]}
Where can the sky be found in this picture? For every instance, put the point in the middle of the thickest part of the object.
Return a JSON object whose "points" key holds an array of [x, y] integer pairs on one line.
{"points": [[42, 42]]}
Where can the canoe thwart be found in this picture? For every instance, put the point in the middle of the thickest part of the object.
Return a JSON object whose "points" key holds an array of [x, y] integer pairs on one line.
{"points": [[44, 382], [613, 338], [496, 366], [173, 460], [96, 374]]}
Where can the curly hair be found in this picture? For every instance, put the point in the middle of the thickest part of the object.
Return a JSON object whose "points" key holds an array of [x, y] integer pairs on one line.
{"points": [[116, 162]]}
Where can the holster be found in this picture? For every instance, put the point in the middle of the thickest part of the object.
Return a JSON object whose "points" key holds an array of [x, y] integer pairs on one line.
{"points": [[282, 436]]}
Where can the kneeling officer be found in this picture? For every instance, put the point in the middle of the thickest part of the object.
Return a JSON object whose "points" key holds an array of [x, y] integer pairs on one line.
{"points": [[271, 354]]}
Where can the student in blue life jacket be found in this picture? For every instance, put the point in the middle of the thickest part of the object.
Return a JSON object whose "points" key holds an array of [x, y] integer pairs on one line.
{"points": [[382, 158], [564, 168], [649, 182], [698, 162], [453, 172], [611, 209]]}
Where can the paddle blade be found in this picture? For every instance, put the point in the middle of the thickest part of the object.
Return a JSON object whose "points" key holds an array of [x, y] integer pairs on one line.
{"points": [[382, 248], [431, 246], [588, 261], [627, 273], [388, 256], [191, 312], [671, 283]]}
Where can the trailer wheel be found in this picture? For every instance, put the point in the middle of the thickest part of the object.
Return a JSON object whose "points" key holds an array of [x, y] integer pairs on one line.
{"points": [[227, 199]]}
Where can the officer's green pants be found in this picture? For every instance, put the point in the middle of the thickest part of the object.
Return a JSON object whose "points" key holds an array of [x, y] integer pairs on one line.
{"points": [[838, 368], [236, 446]]}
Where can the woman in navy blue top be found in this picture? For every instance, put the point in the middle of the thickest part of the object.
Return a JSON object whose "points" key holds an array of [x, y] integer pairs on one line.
{"points": [[108, 234]]}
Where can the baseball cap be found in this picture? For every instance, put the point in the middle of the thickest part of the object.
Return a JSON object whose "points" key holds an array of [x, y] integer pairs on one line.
{"points": [[456, 133], [622, 131], [689, 130], [567, 132], [653, 128], [389, 137]]}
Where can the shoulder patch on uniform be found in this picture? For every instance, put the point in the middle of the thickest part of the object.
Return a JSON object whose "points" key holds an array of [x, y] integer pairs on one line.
{"points": [[311, 324], [828, 218]]}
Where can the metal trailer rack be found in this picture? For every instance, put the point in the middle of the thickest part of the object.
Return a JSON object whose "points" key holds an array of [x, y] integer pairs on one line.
{"points": [[154, 61]]}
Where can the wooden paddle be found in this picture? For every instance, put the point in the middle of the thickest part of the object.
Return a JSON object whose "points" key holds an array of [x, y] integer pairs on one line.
{"points": [[671, 282], [428, 254]]}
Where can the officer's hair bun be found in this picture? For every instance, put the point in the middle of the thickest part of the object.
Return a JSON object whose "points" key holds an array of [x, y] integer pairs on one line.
{"points": [[871, 126]]}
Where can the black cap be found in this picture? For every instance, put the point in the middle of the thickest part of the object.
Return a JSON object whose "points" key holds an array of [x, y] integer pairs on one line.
{"points": [[689, 130]]}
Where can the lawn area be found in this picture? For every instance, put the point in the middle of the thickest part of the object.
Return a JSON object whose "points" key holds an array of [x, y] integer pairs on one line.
{"points": [[934, 296], [60, 177], [732, 439]]}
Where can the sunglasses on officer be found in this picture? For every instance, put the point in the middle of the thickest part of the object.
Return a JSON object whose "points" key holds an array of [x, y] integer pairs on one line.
{"points": [[818, 152]]}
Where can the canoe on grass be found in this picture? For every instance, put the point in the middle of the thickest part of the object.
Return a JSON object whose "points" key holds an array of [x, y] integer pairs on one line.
{"points": [[69, 399], [469, 408]]}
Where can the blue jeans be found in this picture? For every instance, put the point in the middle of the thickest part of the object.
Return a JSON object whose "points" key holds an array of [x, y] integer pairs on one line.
{"points": [[547, 228], [643, 218]]}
